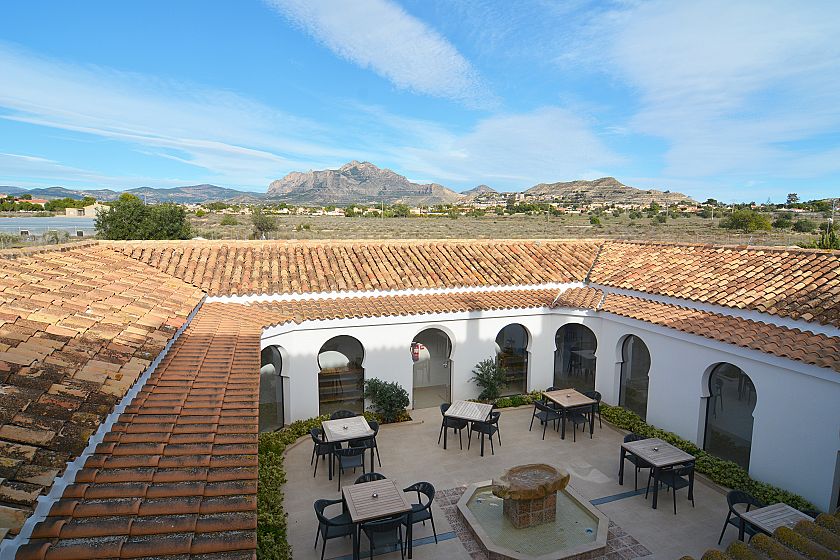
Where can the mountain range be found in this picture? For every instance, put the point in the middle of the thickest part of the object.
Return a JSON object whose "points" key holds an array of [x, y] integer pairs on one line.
{"points": [[364, 183]]}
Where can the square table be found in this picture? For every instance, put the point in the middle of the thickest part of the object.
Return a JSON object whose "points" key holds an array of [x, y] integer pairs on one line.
{"points": [[469, 411], [769, 518], [345, 429], [659, 454], [568, 399], [362, 506]]}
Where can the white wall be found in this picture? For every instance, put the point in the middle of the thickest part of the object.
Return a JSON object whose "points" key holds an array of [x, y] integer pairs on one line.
{"points": [[796, 434]]}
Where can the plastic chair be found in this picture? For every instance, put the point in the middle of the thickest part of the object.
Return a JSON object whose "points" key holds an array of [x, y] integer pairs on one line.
{"points": [[739, 497], [676, 477], [637, 461], [370, 477], [320, 447], [385, 532], [349, 458], [420, 512], [455, 424], [576, 417], [596, 408], [332, 527], [487, 428], [369, 442], [340, 414], [546, 414]]}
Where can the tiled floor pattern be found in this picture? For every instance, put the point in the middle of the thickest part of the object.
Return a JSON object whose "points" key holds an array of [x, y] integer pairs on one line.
{"points": [[620, 544]]}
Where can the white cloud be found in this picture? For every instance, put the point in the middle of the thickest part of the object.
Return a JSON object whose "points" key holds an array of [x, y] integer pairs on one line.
{"points": [[380, 35], [737, 88]]}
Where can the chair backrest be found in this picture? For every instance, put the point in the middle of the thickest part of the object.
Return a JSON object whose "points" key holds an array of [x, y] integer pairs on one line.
{"points": [[444, 407], [734, 497], [317, 435], [369, 477], [684, 469], [552, 388], [494, 417], [593, 395], [339, 414], [425, 488], [349, 451], [384, 525], [374, 425], [320, 506], [633, 437], [544, 407]]}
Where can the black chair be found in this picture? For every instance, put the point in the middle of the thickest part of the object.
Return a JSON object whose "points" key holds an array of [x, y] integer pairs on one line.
{"points": [[456, 424], [596, 408], [739, 497], [369, 443], [385, 532], [339, 414], [320, 447], [369, 477], [420, 511], [546, 414], [549, 402], [577, 416], [486, 428], [637, 461], [349, 458], [676, 477], [332, 527]]}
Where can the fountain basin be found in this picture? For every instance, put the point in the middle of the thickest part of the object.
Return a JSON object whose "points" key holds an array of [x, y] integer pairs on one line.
{"points": [[579, 528], [529, 493]]}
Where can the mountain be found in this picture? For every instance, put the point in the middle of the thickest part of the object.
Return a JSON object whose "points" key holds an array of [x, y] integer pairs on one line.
{"points": [[193, 194], [10, 190], [357, 182], [606, 189], [478, 191]]}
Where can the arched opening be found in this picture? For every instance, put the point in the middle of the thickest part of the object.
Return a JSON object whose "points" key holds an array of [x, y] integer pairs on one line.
{"points": [[512, 353], [635, 366], [430, 351], [271, 389], [574, 357], [341, 381], [729, 414]]}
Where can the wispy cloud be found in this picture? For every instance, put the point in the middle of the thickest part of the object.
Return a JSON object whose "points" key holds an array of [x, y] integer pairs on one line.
{"points": [[380, 35]]}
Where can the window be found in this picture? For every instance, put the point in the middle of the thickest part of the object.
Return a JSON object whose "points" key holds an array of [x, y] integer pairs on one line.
{"points": [[729, 414], [635, 366], [512, 353], [271, 389], [574, 358], [341, 381]]}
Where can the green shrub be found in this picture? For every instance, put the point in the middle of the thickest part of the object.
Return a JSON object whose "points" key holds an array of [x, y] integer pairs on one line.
{"points": [[229, 220], [723, 472], [388, 399], [804, 226], [491, 377], [200, 213]]}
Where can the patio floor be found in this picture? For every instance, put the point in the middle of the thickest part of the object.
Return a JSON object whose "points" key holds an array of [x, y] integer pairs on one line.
{"points": [[410, 453]]}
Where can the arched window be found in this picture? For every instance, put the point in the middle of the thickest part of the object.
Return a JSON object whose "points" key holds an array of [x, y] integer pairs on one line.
{"points": [[341, 381], [574, 358], [512, 353], [635, 366], [432, 368], [271, 389], [729, 414]]}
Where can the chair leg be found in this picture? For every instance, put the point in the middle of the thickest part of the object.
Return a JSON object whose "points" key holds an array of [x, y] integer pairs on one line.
{"points": [[490, 437], [316, 469], [499, 434], [544, 427], [313, 456], [323, 548], [441, 432], [317, 534], [725, 523], [378, 459], [532, 424], [636, 481], [675, 500], [434, 531]]}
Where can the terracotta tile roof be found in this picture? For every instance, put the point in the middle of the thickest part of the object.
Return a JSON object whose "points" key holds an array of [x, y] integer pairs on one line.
{"points": [[582, 298], [282, 267], [794, 344], [77, 328], [177, 474], [796, 283]]}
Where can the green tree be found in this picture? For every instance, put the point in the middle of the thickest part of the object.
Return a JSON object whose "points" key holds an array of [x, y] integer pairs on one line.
{"points": [[491, 377], [804, 226], [595, 220], [123, 220], [400, 211], [746, 220], [782, 222], [166, 221], [262, 223], [792, 198], [229, 220]]}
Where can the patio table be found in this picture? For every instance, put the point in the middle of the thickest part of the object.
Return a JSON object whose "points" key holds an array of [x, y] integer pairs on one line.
{"points": [[659, 454], [345, 429], [375, 500], [568, 399], [769, 518], [469, 411]]}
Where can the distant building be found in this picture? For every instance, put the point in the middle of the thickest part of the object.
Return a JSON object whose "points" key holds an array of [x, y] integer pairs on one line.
{"points": [[85, 212]]}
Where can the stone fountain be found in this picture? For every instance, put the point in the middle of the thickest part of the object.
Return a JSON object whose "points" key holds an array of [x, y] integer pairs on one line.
{"points": [[532, 512], [529, 493]]}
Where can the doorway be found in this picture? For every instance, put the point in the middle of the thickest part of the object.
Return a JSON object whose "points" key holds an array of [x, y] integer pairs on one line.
{"points": [[430, 351]]}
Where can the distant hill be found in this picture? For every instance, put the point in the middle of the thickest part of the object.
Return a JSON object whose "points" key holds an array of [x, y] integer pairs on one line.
{"points": [[479, 190], [357, 182], [606, 189], [194, 194]]}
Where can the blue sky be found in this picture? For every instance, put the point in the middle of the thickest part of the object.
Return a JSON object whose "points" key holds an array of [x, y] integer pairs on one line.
{"points": [[732, 100]]}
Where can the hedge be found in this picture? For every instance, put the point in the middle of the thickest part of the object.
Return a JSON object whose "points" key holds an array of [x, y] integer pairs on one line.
{"points": [[272, 540], [723, 472]]}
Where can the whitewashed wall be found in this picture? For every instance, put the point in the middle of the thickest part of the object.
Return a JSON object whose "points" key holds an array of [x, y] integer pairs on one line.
{"points": [[796, 434]]}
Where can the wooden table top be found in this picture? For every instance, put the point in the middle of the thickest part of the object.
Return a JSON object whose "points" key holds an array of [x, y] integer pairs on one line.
{"points": [[356, 427], [569, 398], [771, 517], [362, 506], [657, 452], [472, 411]]}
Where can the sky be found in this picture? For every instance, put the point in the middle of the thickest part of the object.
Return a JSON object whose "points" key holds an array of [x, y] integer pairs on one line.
{"points": [[737, 101]]}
